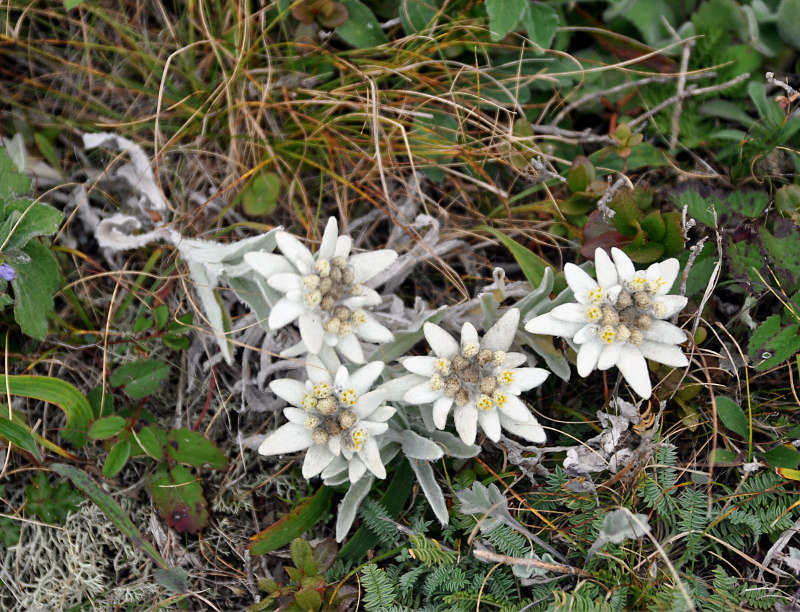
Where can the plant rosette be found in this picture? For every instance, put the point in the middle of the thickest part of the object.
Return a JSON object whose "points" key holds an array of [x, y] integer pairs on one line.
{"points": [[618, 320], [332, 416], [324, 293], [478, 378]]}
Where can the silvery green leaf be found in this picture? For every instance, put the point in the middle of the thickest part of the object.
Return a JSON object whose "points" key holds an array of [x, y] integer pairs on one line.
{"points": [[620, 525], [537, 295], [426, 479], [487, 502], [349, 506], [527, 571], [417, 447], [249, 293], [454, 446]]}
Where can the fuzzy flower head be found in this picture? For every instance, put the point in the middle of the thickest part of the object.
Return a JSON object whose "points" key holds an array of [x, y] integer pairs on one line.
{"points": [[618, 320], [332, 417], [325, 292], [478, 378]]}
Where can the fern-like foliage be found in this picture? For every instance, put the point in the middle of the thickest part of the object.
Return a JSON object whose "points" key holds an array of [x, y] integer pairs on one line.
{"points": [[657, 485], [693, 518], [379, 522], [444, 579], [508, 541], [379, 590], [430, 552]]}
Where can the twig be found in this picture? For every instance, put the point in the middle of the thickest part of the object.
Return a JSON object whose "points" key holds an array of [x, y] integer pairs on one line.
{"points": [[485, 555], [602, 204], [790, 91], [688, 92], [675, 125], [622, 87], [584, 136]]}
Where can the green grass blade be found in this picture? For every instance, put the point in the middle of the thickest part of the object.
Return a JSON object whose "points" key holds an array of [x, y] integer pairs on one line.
{"points": [[20, 435]]}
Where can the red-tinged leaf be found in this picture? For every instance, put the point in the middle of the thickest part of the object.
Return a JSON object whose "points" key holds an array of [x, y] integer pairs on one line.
{"points": [[179, 498], [294, 524]]}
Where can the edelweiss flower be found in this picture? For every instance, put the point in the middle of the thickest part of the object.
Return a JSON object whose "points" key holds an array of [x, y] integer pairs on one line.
{"points": [[324, 292], [332, 417], [619, 319], [480, 377]]}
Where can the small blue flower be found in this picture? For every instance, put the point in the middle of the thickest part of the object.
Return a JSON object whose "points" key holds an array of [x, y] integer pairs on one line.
{"points": [[7, 272]]}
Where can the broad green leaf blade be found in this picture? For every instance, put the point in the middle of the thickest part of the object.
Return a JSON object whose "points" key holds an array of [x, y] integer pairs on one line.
{"points": [[117, 458], [149, 443], [504, 15], [532, 265], [187, 446], [179, 497], [783, 455], [732, 416], [12, 181], [541, 21], [20, 435], [417, 15], [34, 287], [140, 378], [28, 219], [106, 427], [362, 29], [110, 508], [57, 392], [772, 344], [294, 524]]}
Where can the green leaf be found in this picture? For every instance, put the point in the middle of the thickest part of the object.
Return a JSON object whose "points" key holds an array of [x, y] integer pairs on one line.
{"points": [[12, 181], [748, 203], [362, 29], [117, 458], [110, 508], [34, 287], [301, 553], [645, 253], [308, 599], [149, 442], [771, 344], [57, 392], [733, 417], [789, 22], [179, 498], [433, 139], [142, 323], [45, 144], [417, 15], [532, 265], [161, 315], [504, 15], [71, 4], [174, 579], [783, 455], [176, 343], [294, 524], [699, 208], [25, 220], [95, 397], [541, 21], [260, 197], [20, 435], [106, 427], [140, 378], [187, 446]]}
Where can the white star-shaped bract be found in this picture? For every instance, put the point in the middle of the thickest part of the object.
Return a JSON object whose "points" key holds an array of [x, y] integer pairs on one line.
{"points": [[618, 320], [479, 377], [324, 292], [332, 416]]}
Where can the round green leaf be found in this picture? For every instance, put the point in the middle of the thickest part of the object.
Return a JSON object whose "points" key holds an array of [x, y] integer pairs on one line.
{"points": [[106, 427]]}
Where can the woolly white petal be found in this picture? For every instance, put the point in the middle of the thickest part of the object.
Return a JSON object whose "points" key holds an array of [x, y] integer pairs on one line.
{"points": [[343, 246], [422, 394], [609, 355], [625, 269], [372, 331], [528, 378], [466, 419], [311, 331], [580, 282], [328, 244], [548, 325], [469, 335], [588, 353], [515, 409], [585, 334], [286, 282], [366, 265], [605, 269], [268, 264], [382, 413], [350, 347], [571, 313], [442, 343], [317, 459], [441, 408], [319, 372], [661, 331], [422, 365], [289, 389], [490, 424], [362, 379], [295, 415], [367, 297], [335, 445], [668, 271], [633, 367], [284, 312], [512, 361], [673, 303], [395, 388], [668, 354], [287, 438], [375, 429], [371, 456], [295, 252], [367, 404], [341, 376], [530, 430], [500, 335], [356, 469]]}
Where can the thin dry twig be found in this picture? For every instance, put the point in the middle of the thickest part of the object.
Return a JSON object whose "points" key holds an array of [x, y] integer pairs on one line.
{"points": [[675, 125], [485, 555]]}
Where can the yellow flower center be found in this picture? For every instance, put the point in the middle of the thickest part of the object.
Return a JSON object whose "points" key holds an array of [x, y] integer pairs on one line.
{"points": [[443, 366], [359, 437], [653, 286], [309, 401], [311, 422], [593, 313], [470, 350], [484, 402], [437, 383], [596, 295], [322, 390], [637, 284], [500, 398], [349, 397], [607, 334], [506, 377]]}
